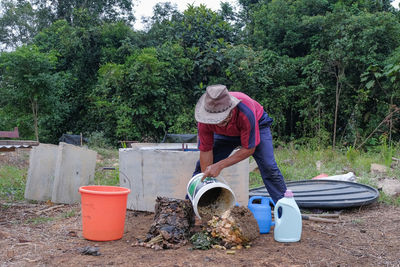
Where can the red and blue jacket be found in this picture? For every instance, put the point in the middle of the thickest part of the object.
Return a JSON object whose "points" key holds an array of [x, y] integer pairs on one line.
{"points": [[244, 123]]}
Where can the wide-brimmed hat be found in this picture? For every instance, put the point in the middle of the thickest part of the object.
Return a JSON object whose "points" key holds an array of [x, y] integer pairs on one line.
{"points": [[215, 104]]}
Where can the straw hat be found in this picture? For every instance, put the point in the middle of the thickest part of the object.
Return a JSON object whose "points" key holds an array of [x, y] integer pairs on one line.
{"points": [[215, 105]]}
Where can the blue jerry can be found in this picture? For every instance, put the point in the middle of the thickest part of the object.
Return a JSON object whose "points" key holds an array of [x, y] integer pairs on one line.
{"points": [[261, 209]]}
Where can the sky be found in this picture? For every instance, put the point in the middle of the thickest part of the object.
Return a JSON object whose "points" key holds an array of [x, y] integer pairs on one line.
{"points": [[145, 7]]}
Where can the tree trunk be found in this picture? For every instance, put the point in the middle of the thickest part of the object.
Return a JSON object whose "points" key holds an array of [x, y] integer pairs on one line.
{"points": [[339, 73], [35, 108], [390, 122]]}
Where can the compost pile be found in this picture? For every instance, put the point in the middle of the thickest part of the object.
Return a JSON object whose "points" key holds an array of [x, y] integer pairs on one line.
{"points": [[235, 228], [171, 227]]}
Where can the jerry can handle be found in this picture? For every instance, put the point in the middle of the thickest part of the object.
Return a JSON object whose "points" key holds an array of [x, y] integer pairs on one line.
{"points": [[255, 198], [276, 212], [270, 201], [267, 200]]}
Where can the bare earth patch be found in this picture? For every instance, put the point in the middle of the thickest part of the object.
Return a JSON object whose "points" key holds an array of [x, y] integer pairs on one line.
{"points": [[47, 234], [51, 235]]}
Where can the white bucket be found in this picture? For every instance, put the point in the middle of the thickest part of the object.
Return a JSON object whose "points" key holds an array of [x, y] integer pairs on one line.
{"points": [[210, 197]]}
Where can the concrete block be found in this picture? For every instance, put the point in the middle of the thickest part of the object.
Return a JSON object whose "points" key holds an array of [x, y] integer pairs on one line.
{"points": [[378, 169], [75, 167], [152, 170], [390, 187], [41, 172], [56, 172]]}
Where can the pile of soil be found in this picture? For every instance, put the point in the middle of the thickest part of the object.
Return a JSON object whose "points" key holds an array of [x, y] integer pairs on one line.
{"points": [[171, 227], [51, 235]]}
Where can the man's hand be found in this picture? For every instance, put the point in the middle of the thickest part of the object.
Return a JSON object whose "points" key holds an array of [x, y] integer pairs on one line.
{"points": [[212, 171]]}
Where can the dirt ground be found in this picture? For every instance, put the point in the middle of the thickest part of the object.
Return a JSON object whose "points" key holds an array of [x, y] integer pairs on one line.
{"points": [[47, 234], [51, 235]]}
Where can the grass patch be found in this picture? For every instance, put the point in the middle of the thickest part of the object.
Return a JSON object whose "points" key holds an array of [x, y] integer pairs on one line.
{"points": [[296, 164], [106, 177], [105, 153], [39, 220], [68, 214], [12, 183], [107, 169], [255, 180], [301, 164], [389, 200]]}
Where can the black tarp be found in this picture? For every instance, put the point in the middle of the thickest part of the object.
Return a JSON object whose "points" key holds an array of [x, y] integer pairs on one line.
{"points": [[179, 138], [326, 194], [73, 139]]}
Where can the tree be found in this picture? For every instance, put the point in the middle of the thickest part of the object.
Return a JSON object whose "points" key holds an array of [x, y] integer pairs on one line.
{"points": [[348, 46], [20, 22], [102, 10], [29, 84], [161, 26], [288, 27], [201, 26], [142, 98]]}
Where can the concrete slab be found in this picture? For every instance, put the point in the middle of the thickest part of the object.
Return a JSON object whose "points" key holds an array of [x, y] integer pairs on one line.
{"points": [[41, 172], [56, 172], [152, 170], [75, 167]]}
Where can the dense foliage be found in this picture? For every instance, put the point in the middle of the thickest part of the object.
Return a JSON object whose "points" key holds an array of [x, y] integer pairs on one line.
{"points": [[327, 71]]}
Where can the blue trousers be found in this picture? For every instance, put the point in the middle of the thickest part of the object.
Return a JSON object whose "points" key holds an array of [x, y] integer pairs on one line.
{"points": [[263, 155]]}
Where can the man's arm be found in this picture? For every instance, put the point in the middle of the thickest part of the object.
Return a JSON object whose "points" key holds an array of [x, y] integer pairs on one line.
{"points": [[206, 159], [213, 170]]}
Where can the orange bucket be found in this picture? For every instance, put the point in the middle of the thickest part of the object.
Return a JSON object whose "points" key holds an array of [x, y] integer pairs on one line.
{"points": [[103, 211]]}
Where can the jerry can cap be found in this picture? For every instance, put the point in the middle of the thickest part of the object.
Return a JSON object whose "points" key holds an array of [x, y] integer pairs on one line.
{"points": [[289, 193]]}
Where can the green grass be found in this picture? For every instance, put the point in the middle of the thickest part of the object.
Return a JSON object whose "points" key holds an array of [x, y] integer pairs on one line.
{"points": [[300, 164], [108, 158], [39, 220], [12, 183], [255, 180], [106, 177], [68, 214], [295, 164]]}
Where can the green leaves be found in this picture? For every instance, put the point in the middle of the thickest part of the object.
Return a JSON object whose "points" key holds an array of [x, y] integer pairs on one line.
{"points": [[29, 83], [87, 69]]}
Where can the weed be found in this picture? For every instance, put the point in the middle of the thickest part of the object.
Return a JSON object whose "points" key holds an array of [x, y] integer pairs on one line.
{"points": [[351, 154], [295, 164], [107, 171], [386, 151], [39, 220], [107, 177], [255, 180], [12, 183], [357, 221], [389, 200], [68, 214], [98, 139]]}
